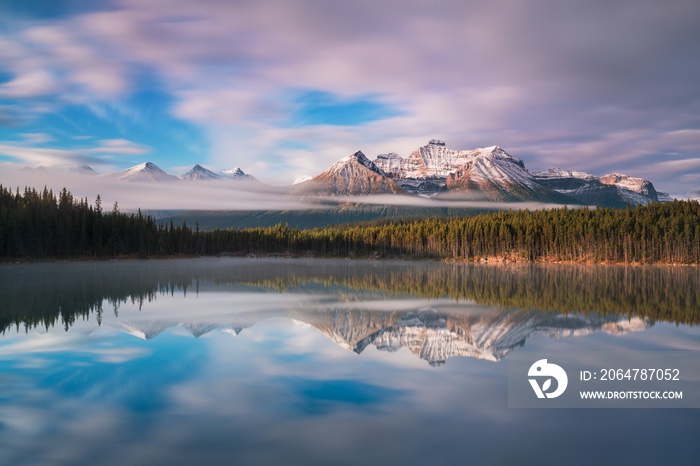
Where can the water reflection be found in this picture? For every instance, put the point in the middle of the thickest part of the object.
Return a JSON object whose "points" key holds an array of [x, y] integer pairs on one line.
{"points": [[254, 362], [435, 310]]}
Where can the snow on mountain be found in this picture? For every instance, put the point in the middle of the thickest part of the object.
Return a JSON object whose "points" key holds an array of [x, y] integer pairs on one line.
{"points": [[430, 335], [636, 185], [236, 174], [499, 176], [143, 172], [198, 172], [145, 330], [558, 174], [352, 175], [302, 179], [488, 172], [435, 337], [198, 329], [613, 190]]}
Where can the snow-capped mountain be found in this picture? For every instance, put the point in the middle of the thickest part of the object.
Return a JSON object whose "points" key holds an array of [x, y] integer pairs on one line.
{"points": [[430, 335], [489, 173], [147, 171], [198, 172], [496, 175], [352, 175], [236, 174], [435, 337], [613, 190], [643, 188]]}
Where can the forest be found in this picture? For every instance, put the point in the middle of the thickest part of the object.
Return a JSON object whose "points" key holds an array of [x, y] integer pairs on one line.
{"points": [[40, 225]]}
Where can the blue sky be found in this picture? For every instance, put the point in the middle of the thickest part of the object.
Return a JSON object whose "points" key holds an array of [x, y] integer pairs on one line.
{"points": [[283, 89]]}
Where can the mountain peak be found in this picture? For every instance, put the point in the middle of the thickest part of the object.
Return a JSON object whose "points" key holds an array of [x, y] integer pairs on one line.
{"points": [[436, 142], [235, 171], [353, 174], [558, 173], [630, 183], [613, 190], [147, 171], [198, 172]]}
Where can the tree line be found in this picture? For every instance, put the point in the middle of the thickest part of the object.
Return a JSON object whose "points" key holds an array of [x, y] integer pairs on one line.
{"points": [[42, 225]]}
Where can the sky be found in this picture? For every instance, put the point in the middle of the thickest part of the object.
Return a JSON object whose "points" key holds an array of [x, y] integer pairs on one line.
{"points": [[284, 88]]}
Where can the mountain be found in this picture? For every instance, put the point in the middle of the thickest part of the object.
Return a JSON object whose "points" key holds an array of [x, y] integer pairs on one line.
{"points": [[489, 173], [644, 191], [614, 190], [429, 334], [435, 336], [79, 169], [200, 173], [496, 175], [236, 174], [147, 171], [352, 175]]}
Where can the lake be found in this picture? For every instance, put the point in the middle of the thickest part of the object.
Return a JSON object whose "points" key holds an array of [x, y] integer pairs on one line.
{"points": [[295, 361]]}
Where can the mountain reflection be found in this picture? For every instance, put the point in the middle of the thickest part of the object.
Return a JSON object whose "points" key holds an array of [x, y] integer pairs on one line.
{"points": [[510, 302]]}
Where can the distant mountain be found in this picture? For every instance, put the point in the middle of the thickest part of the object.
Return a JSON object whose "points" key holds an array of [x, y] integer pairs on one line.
{"points": [[489, 174], [144, 172], [198, 172], [236, 174], [614, 190], [352, 175], [80, 169]]}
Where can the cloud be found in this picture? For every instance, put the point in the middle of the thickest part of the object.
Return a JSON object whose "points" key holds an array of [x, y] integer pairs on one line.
{"points": [[98, 155], [417, 201], [131, 196], [593, 86], [34, 83], [36, 138]]}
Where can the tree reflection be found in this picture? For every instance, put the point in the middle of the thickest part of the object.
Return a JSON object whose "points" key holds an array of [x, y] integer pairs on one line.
{"points": [[48, 295]]}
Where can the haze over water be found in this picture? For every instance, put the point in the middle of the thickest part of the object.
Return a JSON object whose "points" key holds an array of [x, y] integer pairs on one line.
{"points": [[263, 361]]}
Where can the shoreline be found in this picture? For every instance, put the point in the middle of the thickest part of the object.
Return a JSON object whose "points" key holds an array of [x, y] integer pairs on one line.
{"points": [[487, 260]]}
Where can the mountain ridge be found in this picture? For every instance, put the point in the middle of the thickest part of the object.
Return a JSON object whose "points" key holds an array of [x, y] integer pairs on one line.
{"points": [[434, 170]]}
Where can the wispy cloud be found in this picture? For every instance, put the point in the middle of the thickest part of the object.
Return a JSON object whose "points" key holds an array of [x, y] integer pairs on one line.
{"points": [[590, 86], [103, 154], [130, 196]]}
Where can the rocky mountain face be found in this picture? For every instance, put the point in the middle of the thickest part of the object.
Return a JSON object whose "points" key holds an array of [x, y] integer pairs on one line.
{"points": [[352, 175], [613, 190], [479, 174]]}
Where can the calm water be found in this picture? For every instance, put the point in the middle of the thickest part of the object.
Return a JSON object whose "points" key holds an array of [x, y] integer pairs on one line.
{"points": [[243, 361]]}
